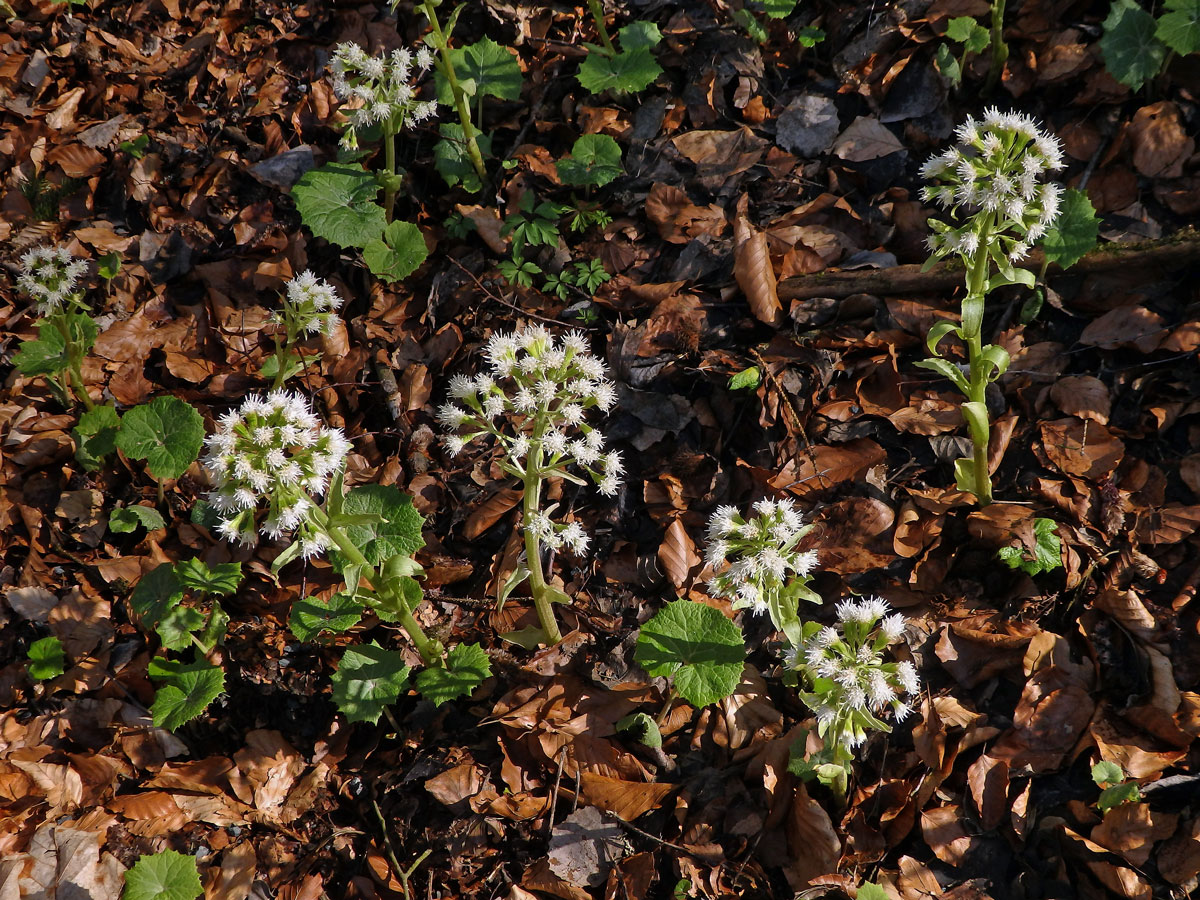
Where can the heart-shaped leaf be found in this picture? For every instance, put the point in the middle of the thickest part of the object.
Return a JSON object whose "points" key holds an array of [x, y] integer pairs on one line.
{"points": [[369, 678], [166, 432], [337, 202], [696, 644], [467, 665]]}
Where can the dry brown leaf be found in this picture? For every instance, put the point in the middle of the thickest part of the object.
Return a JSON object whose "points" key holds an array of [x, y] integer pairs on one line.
{"points": [[754, 273], [490, 512], [1168, 525], [1132, 830], [1125, 326], [624, 799], [1084, 396], [828, 465], [1179, 858], [1082, 448], [1160, 140], [942, 828], [678, 555], [988, 780], [1053, 711], [456, 784], [235, 878]]}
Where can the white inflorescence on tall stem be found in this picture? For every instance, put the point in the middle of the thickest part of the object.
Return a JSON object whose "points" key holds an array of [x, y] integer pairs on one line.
{"points": [[534, 401], [381, 86], [992, 180], [50, 276], [272, 449], [752, 558], [309, 306]]}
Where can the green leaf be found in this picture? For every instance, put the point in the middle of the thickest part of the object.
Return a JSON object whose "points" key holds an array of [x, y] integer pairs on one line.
{"points": [[155, 595], [196, 575], [966, 31], [137, 147], [1132, 53], [638, 34], [1045, 556], [123, 520], [467, 665], [109, 265], [778, 9], [626, 73], [1118, 794], [484, 67], [870, 891], [292, 364], [177, 625], [996, 359], [187, 693], [396, 531], [1106, 772], [46, 658], [809, 36], [698, 645], [313, 615], [96, 436], [452, 161], [398, 253], [166, 432], [746, 19], [369, 679], [936, 333], [1180, 28], [949, 66], [164, 876], [1074, 232], [48, 354], [946, 369], [337, 202], [641, 728], [595, 160], [747, 379]]}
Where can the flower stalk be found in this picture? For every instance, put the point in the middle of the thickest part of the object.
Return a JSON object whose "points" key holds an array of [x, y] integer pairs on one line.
{"points": [[445, 64]]}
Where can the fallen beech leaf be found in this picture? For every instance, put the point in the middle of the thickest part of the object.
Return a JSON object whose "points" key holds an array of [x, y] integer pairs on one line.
{"points": [[678, 555], [1125, 326], [864, 139], [1132, 830], [456, 784], [942, 828], [1160, 140], [828, 465], [1077, 447], [988, 780], [754, 274], [1121, 881], [583, 847], [624, 799], [235, 878], [490, 512], [1179, 858], [1084, 396], [1054, 709], [1168, 525]]}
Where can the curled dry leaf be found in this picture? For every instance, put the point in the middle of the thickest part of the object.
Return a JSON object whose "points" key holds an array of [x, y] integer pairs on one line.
{"points": [[1084, 396], [754, 274], [1077, 447], [678, 555]]}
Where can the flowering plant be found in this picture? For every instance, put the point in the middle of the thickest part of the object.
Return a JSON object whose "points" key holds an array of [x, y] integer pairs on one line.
{"points": [[382, 85], [991, 184], [50, 277], [309, 307], [752, 559], [541, 390], [849, 683]]}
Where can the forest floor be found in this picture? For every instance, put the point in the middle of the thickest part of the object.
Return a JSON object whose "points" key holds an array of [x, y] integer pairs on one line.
{"points": [[526, 788]]}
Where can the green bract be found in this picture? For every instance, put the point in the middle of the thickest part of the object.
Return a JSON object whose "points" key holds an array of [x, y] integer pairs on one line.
{"points": [[696, 646]]}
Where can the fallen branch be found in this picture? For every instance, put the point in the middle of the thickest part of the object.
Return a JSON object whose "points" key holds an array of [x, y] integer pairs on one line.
{"points": [[1175, 252]]}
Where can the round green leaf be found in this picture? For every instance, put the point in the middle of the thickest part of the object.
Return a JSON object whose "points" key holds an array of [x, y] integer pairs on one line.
{"points": [[484, 67], [396, 531], [164, 876], [187, 693], [698, 645], [1132, 53], [46, 658], [398, 253], [167, 432], [337, 202], [368, 679], [313, 615], [595, 160], [627, 72], [467, 665], [126, 519], [1179, 29], [1074, 232]]}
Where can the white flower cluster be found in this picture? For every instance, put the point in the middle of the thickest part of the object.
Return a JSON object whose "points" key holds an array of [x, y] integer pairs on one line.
{"points": [[381, 86], [50, 275], [309, 307], [556, 535], [544, 388], [993, 178], [845, 666], [755, 555], [272, 449]]}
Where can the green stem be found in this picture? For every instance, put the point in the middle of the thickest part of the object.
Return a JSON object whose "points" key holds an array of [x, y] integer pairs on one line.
{"points": [[597, 10], [74, 362], [977, 277], [533, 545], [460, 96], [430, 650], [999, 48], [389, 162]]}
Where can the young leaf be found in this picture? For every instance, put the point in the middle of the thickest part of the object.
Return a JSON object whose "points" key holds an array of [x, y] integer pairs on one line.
{"points": [[745, 379], [777, 9], [337, 202], [96, 436], [696, 644], [47, 355], [368, 679], [187, 692], [313, 615], [1179, 29], [1132, 53], [177, 625], [966, 31], [155, 595], [1107, 772], [484, 67], [628, 72], [46, 658], [451, 160], [109, 265], [1118, 794], [397, 253], [1074, 232], [125, 519], [396, 531], [1045, 556], [166, 432], [595, 160], [196, 575], [948, 65], [641, 728], [467, 665], [639, 34], [809, 36], [870, 891], [163, 876], [746, 19]]}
